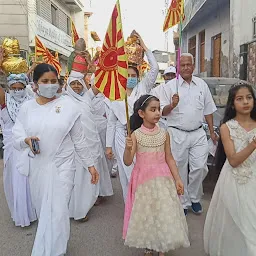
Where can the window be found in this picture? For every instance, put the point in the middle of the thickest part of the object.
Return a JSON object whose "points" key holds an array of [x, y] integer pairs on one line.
{"points": [[192, 47], [202, 51], [254, 27], [54, 14]]}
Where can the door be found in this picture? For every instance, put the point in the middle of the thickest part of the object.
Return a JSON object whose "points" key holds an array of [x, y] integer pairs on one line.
{"points": [[202, 51], [216, 56]]}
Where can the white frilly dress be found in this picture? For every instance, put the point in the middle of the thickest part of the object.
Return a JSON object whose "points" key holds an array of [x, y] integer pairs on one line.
{"points": [[230, 227]]}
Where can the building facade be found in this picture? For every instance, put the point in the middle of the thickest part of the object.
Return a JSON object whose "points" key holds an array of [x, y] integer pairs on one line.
{"points": [[221, 35], [50, 20]]}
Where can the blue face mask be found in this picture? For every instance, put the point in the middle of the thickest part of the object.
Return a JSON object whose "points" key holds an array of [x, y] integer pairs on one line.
{"points": [[132, 82]]}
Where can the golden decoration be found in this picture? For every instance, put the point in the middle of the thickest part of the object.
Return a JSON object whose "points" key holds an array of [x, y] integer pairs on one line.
{"points": [[12, 62]]}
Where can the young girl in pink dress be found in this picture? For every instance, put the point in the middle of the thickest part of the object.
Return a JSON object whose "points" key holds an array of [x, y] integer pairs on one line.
{"points": [[154, 218]]}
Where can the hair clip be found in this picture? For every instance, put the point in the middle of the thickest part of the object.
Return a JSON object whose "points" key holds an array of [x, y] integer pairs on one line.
{"points": [[149, 97], [241, 82]]}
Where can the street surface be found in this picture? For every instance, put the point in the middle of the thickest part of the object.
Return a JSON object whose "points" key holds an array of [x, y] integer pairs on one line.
{"points": [[100, 236]]}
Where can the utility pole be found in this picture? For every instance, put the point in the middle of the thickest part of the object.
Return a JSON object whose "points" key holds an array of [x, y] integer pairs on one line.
{"points": [[167, 2]]}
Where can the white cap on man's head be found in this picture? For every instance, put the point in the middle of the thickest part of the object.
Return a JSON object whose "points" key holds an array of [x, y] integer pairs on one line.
{"points": [[170, 69]]}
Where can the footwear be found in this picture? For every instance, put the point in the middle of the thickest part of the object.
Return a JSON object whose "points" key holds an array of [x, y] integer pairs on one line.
{"points": [[186, 212], [197, 208], [113, 175], [98, 201], [85, 219]]}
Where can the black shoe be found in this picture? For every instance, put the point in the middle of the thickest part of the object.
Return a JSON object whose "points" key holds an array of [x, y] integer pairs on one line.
{"points": [[186, 212], [197, 208]]}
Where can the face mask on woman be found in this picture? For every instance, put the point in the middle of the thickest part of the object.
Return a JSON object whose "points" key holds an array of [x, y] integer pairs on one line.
{"points": [[48, 90], [132, 82], [18, 94]]}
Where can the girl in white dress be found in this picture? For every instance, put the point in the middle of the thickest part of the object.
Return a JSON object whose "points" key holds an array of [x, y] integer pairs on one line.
{"points": [[230, 227], [16, 185], [116, 130], [55, 124]]}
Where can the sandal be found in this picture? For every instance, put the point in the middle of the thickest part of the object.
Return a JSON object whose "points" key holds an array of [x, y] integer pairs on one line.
{"points": [[85, 219], [148, 252]]}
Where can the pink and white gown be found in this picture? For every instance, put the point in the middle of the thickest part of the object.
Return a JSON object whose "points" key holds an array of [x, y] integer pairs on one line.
{"points": [[154, 218]]}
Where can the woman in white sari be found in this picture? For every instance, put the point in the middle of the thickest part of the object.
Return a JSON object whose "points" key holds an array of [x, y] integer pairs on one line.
{"points": [[101, 109], [16, 185], [116, 130], [84, 197], [56, 126]]}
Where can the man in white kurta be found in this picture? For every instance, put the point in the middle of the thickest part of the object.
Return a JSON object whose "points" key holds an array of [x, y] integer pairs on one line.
{"points": [[185, 114]]}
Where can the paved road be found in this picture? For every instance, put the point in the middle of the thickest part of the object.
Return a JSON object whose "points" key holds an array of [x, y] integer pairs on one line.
{"points": [[101, 236]]}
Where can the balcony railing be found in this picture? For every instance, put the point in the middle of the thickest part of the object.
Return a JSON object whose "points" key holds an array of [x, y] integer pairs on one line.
{"points": [[75, 5], [191, 8]]}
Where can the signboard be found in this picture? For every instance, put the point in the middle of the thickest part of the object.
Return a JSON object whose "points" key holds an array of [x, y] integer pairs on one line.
{"points": [[47, 31]]}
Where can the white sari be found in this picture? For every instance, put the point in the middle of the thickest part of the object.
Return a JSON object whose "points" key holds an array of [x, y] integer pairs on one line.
{"points": [[84, 196], [51, 173], [16, 185]]}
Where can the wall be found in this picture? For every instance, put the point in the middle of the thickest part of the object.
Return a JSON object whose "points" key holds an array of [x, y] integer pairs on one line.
{"points": [[241, 14], [216, 22], [13, 21], [246, 25]]}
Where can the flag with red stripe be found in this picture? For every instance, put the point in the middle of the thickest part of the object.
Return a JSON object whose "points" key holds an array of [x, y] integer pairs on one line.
{"points": [[74, 33], [41, 50], [174, 15], [111, 72]]}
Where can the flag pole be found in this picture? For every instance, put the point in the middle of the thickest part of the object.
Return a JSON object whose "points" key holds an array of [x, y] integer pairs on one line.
{"points": [[35, 51], [179, 54], [127, 116]]}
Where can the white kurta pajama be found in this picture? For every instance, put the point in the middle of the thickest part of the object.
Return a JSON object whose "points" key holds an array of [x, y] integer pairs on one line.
{"points": [[51, 173], [16, 185], [116, 130], [157, 92], [188, 140]]}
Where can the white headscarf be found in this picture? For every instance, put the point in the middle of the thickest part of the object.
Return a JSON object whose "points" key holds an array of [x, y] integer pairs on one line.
{"points": [[13, 105], [92, 135]]}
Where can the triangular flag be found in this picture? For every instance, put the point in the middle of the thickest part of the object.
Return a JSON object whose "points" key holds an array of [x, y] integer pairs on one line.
{"points": [[41, 50], [74, 33], [174, 15], [111, 73]]}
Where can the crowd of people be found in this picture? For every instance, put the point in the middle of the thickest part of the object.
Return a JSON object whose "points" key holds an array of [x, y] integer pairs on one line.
{"points": [[62, 145]]}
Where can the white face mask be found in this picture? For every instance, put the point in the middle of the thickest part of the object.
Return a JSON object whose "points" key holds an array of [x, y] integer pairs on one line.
{"points": [[18, 94], [48, 90]]}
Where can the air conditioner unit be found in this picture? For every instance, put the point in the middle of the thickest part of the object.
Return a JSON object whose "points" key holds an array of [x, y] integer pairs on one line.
{"points": [[24, 54]]}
